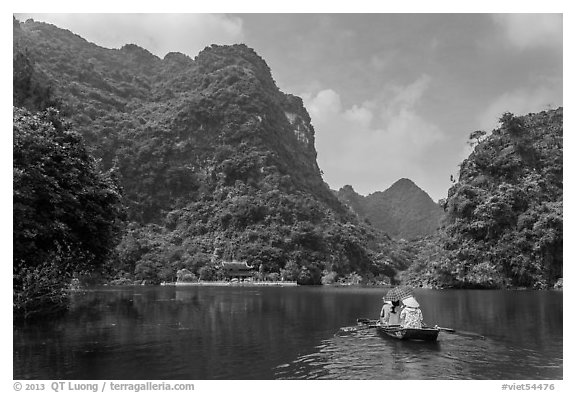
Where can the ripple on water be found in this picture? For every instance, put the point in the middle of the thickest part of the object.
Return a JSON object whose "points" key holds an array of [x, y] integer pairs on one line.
{"points": [[266, 333], [366, 355]]}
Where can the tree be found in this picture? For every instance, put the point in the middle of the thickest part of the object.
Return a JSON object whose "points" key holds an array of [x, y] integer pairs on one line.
{"points": [[29, 88], [476, 137], [66, 211], [148, 270], [207, 273], [329, 277], [505, 214], [514, 125], [290, 271]]}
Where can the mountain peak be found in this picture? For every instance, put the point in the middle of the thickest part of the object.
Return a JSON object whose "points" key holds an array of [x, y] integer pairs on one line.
{"points": [[403, 210], [347, 188], [235, 61], [220, 56], [404, 182], [406, 186], [177, 57]]}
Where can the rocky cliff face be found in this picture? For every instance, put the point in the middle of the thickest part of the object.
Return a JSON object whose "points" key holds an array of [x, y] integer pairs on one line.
{"points": [[504, 225], [212, 156], [403, 210], [154, 115]]}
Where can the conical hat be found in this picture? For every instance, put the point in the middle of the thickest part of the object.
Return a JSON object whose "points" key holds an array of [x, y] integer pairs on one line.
{"points": [[410, 302]]}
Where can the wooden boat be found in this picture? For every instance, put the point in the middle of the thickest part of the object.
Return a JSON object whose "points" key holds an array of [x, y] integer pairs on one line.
{"points": [[400, 333]]}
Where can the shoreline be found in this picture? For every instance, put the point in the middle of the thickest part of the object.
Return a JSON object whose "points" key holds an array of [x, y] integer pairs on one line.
{"points": [[335, 285], [234, 284], [295, 284]]}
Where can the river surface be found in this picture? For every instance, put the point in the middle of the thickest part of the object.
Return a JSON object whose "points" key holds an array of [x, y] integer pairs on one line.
{"points": [[200, 333]]}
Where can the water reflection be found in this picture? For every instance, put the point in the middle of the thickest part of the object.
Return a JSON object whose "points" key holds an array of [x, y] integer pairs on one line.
{"points": [[268, 333], [369, 356]]}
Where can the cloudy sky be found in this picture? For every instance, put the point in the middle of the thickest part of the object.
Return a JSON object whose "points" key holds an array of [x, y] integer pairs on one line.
{"points": [[390, 95]]}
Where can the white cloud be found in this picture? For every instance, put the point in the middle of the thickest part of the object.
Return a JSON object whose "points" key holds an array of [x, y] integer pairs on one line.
{"points": [[531, 30], [411, 94], [361, 115], [519, 102], [373, 144], [324, 105], [412, 131], [158, 33]]}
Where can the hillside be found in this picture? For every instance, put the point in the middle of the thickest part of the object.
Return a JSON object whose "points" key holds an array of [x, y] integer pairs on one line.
{"points": [[173, 113], [505, 215], [214, 160], [211, 161], [403, 211]]}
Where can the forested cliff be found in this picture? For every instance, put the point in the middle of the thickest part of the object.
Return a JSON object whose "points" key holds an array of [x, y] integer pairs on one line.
{"points": [[133, 167], [505, 216], [214, 161]]}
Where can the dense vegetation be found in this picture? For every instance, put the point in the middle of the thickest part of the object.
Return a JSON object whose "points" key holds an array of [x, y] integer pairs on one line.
{"points": [[403, 211], [505, 213], [215, 162], [66, 211]]}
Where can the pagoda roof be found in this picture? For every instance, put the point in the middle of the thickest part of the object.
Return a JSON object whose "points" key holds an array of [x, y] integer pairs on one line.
{"points": [[236, 265]]}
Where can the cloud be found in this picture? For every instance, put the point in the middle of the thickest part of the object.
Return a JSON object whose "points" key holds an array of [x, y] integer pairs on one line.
{"points": [[411, 94], [526, 31], [519, 102], [372, 144], [324, 105], [158, 33], [360, 115]]}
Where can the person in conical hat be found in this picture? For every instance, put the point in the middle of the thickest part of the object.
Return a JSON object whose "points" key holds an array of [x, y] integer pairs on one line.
{"points": [[411, 315]]}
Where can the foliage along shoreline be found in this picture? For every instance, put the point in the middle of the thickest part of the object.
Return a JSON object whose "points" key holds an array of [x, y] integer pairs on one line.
{"points": [[504, 224], [148, 166]]}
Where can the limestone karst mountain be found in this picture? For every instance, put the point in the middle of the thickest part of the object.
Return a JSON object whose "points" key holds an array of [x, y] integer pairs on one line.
{"points": [[214, 160], [403, 211]]}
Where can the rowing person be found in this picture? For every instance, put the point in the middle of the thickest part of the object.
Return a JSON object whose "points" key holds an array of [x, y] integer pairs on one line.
{"points": [[411, 315], [389, 315]]}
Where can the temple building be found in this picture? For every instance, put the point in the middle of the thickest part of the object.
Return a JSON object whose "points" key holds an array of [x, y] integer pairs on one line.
{"points": [[239, 270]]}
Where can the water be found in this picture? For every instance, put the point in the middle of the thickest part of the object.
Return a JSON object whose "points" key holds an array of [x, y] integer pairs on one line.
{"points": [[289, 333]]}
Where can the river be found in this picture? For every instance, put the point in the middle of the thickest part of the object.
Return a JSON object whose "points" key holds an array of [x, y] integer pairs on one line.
{"points": [[206, 333]]}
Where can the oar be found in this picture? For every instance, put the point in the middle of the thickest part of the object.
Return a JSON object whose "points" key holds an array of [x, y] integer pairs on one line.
{"points": [[374, 321], [449, 330], [354, 329], [369, 323], [443, 329]]}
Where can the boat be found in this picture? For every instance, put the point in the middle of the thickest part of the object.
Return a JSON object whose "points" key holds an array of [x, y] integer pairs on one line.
{"points": [[400, 333]]}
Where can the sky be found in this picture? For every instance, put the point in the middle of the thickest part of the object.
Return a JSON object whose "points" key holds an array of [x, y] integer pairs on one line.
{"points": [[391, 96]]}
